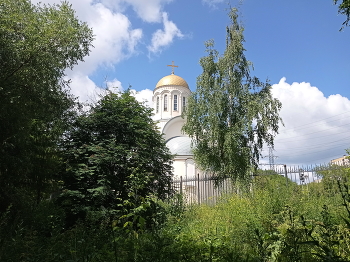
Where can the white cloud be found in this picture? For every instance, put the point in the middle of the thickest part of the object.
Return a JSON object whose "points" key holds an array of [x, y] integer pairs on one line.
{"points": [[114, 86], [144, 96], [149, 11], [212, 3], [163, 38], [114, 41], [115, 38], [317, 128], [84, 88]]}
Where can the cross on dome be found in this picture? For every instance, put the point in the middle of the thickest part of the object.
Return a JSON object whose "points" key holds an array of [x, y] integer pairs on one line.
{"points": [[172, 69]]}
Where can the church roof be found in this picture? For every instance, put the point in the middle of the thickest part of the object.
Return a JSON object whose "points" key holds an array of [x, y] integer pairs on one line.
{"points": [[180, 145], [172, 80]]}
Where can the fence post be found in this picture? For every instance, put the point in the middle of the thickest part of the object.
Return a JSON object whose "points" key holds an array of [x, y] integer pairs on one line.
{"points": [[285, 174], [199, 199], [181, 186]]}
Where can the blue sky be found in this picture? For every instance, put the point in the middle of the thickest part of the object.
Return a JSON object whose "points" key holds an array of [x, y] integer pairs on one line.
{"points": [[299, 40], [295, 44]]}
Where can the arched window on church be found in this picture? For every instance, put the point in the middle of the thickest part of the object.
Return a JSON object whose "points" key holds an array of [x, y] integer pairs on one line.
{"points": [[165, 102], [175, 102], [183, 103], [157, 106]]}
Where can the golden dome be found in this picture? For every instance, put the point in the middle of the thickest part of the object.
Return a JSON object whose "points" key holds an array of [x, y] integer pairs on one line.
{"points": [[172, 80]]}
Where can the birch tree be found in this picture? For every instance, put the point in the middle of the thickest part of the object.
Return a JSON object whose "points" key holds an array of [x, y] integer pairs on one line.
{"points": [[232, 114]]}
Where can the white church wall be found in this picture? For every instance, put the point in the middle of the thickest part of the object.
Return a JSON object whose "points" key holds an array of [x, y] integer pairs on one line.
{"points": [[179, 168], [184, 167], [190, 169], [173, 128], [160, 125]]}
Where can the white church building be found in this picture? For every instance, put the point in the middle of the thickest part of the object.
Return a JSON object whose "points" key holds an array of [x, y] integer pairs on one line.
{"points": [[169, 100]]}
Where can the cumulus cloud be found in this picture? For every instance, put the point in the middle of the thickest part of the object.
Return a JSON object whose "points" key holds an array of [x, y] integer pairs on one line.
{"points": [[317, 128], [114, 40], [163, 38], [144, 96], [212, 3], [114, 86], [115, 37], [149, 11], [84, 88]]}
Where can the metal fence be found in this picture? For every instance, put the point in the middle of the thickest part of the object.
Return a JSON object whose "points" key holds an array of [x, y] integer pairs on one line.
{"points": [[204, 189], [300, 174]]}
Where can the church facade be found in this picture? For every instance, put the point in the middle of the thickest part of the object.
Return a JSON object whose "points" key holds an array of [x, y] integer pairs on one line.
{"points": [[170, 97], [169, 100]]}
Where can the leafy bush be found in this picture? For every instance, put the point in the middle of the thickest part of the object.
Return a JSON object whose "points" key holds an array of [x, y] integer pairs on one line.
{"points": [[275, 222], [115, 161]]}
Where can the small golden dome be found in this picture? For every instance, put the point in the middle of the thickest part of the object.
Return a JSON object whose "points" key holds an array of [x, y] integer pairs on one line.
{"points": [[172, 80]]}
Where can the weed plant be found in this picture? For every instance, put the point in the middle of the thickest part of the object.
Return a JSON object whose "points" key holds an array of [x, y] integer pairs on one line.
{"points": [[276, 220]]}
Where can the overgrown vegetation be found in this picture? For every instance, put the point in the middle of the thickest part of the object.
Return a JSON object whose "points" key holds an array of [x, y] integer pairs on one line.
{"points": [[274, 221], [38, 43], [95, 186]]}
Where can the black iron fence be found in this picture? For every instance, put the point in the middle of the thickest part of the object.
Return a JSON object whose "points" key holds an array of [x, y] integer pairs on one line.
{"points": [[205, 189], [202, 189]]}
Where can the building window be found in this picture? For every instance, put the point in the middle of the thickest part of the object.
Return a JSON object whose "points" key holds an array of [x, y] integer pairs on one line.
{"points": [[183, 103], [175, 102], [157, 106], [166, 103]]}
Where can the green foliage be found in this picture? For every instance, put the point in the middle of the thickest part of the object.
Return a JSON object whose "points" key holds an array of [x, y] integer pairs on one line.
{"points": [[274, 192], [116, 160], [344, 9], [115, 168], [38, 43], [231, 114], [274, 223], [331, 175]]}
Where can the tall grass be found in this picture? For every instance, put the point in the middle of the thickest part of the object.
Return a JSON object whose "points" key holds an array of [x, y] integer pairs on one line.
{"points": [[271, 221], [275, 222]]}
